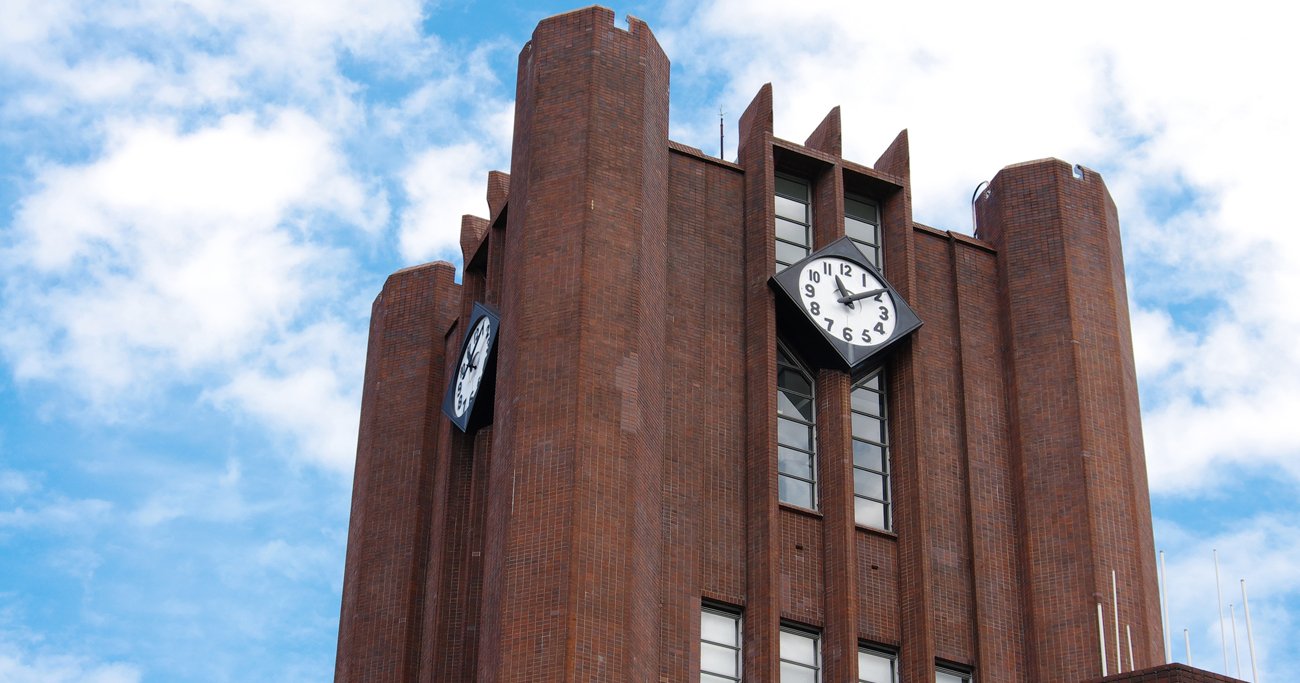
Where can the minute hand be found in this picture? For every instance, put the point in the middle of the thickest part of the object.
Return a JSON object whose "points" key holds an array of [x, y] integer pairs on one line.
{"points": [[861, 295]]}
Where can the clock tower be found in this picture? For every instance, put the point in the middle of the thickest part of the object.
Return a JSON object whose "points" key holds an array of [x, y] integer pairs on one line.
{"points": [[671, 467]]}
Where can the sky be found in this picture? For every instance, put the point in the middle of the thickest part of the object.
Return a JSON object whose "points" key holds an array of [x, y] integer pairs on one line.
{"points": [[199, 199]]}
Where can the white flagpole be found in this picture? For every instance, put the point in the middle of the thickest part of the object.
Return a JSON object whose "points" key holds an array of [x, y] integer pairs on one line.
{"points": [[1187, 643], [1236, 650], [1101, 638], [1223, 633], [1119, 652], [1128, 631], [1164, 600], [1250, 636]]}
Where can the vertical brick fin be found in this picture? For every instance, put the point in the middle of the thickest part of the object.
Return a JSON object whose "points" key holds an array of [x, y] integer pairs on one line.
{"points": [[472, 230], [384, 575], [498, 190], [756, 122], [762, 530], [839, 564], [828, 206], [991, 522], [826, 138], [572, 592], [910, 447], [897, 159], [1074, 414]]}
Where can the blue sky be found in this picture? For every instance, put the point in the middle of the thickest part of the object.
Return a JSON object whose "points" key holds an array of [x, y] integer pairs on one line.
{"points": [[200, 198]]}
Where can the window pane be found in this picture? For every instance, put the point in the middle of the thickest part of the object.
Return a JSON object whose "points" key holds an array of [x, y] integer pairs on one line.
{"points": [[866, 427], [792, 188], [717, 659], [791, 209], [868, 484], [795, 492], [862, 232], [868, 455], [875, 668], [793, 380], [949, 677], [866, 401], [796, 647], [789, 253], [793, 673], [794, 462], [706, 678], [869, 513], [794, 406], [718, 628], [860, 210], [791, 433], [793, 232]]}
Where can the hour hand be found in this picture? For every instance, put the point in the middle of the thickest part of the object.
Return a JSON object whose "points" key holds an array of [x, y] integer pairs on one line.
{"points": [[860, 295], [843, 291]]}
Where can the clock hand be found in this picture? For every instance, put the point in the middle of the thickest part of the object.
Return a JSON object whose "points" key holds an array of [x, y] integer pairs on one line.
{"points": [[844, 293], [860, 295]]}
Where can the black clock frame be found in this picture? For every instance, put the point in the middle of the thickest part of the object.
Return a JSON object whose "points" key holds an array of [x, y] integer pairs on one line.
{"points": [[479, 412], [823, 349]]}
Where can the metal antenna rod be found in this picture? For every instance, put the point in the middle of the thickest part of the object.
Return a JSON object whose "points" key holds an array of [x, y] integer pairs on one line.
{"points": [[1223, 633], [1236, 650], [1250, 636], [1101, 639], [1164, 599]]}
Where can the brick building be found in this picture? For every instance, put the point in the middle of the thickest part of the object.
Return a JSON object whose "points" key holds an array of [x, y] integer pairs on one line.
{"points": [[667, 487]]}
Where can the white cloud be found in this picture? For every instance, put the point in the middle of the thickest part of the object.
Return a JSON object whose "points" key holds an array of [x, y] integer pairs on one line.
{"points": [[1264, 551], [308, 388], [441, 184], [176, 250], [22, 667], [1195, 144], [61, 515]]}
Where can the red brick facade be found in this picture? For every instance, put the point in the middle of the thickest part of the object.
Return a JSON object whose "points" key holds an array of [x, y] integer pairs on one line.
{"points": [[630, 471]]}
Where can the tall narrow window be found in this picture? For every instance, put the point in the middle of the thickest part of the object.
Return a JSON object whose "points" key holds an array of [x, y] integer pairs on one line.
{"points": [[800, 656], [793, 221], [719, 645], [877, 666], [862, 225], [795, 433], [871, 500], [946, 675]]}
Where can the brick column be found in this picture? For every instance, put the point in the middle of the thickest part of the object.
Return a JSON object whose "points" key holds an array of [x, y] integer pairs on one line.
{"points": [[572, 565], [1074, 415]]}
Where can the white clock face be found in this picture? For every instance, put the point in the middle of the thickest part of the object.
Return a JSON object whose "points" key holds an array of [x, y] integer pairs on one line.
{"points": [[847, 301], [470, 374]]}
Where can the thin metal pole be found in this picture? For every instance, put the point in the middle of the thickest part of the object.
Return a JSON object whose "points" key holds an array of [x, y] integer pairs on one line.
{"points": [[1114, 593], [1187, 643], [1164, 600], [974, 219], [1250, 635], [1223, 632], [1101, 638], [1236, 649], [1128, 631]]}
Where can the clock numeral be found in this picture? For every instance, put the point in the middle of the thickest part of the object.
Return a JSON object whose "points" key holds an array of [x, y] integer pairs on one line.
{"points": [[884, 313], [847, 334], [846, 269], [880, 327], [866, 337], [809, 291], [815, 308], [864, 280], [826, 267], [814, 275], [829, 324]]}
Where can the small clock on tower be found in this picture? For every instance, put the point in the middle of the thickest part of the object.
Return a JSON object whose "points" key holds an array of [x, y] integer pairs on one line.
{"points": [[850, 314]]}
